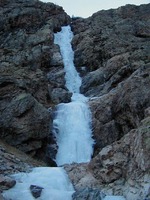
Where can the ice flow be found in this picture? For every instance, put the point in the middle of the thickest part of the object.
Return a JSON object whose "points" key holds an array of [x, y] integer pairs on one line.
{"points": [[63, 39], [53, 180], [72, 122]]}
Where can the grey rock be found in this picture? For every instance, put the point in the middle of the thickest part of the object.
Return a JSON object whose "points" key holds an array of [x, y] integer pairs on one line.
{"points": [[56, 77], [36, 190], [1, 197], [88, 194], [14, 161], [26, 55], [119, 169], [59, 95], [108, 43], [117, 66], [117, 112], [27, 111], [113, 46], [6, 182], [51, 153]]}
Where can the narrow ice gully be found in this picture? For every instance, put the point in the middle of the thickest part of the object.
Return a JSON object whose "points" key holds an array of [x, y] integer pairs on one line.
{"points": [[74, 138], [73, 133], [72, 126]]}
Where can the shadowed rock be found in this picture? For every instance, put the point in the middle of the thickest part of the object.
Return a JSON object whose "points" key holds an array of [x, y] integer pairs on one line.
{"points": [[36, 190]]}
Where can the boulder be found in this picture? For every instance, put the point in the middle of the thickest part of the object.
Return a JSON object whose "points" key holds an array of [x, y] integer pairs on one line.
{"points": [[6, 182], [36, 190], [126, 160], [59, 95]]}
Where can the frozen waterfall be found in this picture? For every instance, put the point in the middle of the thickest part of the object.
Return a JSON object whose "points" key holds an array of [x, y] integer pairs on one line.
{"points": [[53, 180], [71, 124], [63, 39], [72, 129]]}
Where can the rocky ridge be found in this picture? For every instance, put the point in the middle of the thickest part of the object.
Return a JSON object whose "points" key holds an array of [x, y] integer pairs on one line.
{"points": [[112, 55], [27, 54]]}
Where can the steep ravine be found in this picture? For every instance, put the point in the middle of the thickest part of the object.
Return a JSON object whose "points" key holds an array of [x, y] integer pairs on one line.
{"points": [[112, 55], [72, 121]]}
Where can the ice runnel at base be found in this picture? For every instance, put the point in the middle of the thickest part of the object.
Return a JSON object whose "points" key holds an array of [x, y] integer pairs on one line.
{"points": [[53, 180], [72, 121]]}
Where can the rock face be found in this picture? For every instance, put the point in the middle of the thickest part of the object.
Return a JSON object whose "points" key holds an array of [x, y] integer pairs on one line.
{"points": [[112, 55], [121, 168], [24, 123], [123, 108], [113, 48], [88, 194], [126, 161], [13, 161], [6, 182], [122, 34], [27, 54]]}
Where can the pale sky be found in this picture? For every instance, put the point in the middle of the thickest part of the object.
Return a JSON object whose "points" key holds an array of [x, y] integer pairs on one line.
{"points": [[85, 8]]}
